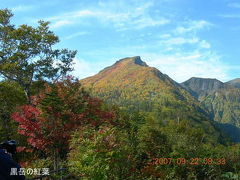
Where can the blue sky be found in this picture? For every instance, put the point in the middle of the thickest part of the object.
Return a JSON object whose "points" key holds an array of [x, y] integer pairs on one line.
{"points": [[182, 38]]}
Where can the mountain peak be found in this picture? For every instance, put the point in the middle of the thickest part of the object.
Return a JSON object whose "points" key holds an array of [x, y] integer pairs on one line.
{"points": [[202, 86], [234, 82], [136, 60], [129, 71], [203, 79]]}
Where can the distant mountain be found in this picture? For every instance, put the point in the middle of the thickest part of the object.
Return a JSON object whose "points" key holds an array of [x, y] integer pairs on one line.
{"points": [[202, 86], [221, 99], [131, 84], [234, 82]]}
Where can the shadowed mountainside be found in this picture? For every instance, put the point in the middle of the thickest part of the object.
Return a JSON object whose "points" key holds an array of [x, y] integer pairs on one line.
{"points": [[221, 99], [202, 86]]}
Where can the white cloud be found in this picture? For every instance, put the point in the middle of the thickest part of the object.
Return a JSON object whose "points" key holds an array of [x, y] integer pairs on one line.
{"points": [[148, 22], [180, 41], [82, 68], [76, 35], [234, 5], [122, 18], [205, 44], [175, 42], [21, 8], [184, 54], [184, 38], [60, 23], [181, 67], [165, 36], [74, 14], [192, 26]]}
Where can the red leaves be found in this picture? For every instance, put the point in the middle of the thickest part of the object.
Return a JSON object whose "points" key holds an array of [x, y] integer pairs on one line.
{"points": [[58, 111], [30, 124], [20, 149]]}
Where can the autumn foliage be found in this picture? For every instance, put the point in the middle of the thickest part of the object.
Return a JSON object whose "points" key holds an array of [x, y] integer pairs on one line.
{"points": [[56, 112]]}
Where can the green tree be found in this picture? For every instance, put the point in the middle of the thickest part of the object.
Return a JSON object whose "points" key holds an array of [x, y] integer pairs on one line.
{"points": [[11, 96], [27, 53], [100, 154]]}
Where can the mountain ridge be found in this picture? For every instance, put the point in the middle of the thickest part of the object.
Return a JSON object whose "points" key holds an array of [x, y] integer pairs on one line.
{"points": [[202, 86], [131, 84], [222, 101], [234, 82]]}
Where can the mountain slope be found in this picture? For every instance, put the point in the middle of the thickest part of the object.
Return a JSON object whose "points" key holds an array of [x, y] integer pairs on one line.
{"points": [[234, 82], [130, 79], [202, 86], [134, 86], [221, 99], [224, 105]]}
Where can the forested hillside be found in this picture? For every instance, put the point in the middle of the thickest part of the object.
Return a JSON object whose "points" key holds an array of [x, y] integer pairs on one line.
{"points": [[134, 86]]}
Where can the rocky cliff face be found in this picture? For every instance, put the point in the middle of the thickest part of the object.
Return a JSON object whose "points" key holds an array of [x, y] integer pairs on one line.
{"points": [[202, 86]]}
